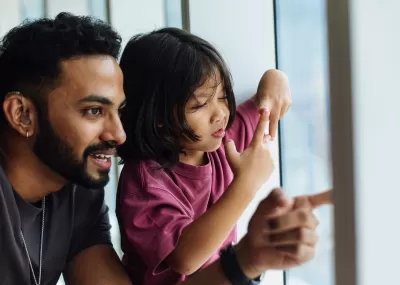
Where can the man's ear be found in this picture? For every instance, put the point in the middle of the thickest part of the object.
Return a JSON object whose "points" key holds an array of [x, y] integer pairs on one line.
{"points": [[20, 113]]}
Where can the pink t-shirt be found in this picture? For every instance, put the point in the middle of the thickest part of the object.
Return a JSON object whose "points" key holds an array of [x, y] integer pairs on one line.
{"points": [[154, 207]]}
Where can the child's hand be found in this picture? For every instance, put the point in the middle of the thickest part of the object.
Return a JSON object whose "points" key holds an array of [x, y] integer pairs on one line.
{"points": [[273, 93], [255, 164]]}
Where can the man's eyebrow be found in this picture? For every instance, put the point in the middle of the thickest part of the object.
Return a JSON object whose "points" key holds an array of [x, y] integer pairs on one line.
{"points": [[96, 99]]}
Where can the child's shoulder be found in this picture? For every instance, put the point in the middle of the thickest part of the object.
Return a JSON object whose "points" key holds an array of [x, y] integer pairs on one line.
{"points": [[144, 174]]}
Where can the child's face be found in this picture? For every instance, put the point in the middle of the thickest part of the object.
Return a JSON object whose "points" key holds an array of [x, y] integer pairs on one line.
{"points": [[207, 113]]}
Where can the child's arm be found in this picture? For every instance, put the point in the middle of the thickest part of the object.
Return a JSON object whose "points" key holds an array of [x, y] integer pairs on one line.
{"points": [[202, 238], [273, 93]]}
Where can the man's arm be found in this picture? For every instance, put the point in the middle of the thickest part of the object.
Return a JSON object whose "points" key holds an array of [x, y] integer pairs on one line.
{"points": [[96, 265]]}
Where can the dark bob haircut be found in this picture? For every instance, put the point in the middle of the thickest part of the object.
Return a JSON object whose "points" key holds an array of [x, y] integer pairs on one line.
{"points": [[162, 69]]}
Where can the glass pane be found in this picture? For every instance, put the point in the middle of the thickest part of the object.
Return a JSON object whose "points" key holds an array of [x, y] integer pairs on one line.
{"points": [[173, 13], [306, 163], [31, 9], [98, 9]]}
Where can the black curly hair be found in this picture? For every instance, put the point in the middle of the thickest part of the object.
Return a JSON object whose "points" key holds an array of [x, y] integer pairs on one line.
{"points": [[31, 53]]}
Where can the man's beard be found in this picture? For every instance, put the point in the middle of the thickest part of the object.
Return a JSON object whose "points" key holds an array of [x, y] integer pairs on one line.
{"points": [[58, 155]]}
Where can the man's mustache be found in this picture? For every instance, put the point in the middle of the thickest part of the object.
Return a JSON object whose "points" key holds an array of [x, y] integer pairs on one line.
{"points": [[104, 146]]}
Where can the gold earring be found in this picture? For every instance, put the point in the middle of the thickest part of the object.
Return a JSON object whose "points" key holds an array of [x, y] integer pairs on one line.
{"points": [[27, 134]]}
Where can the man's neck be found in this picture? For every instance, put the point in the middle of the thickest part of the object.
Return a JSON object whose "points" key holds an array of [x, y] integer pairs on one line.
{"points": [[30, 178]]}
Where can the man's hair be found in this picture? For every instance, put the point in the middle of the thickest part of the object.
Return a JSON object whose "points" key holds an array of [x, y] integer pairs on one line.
{"points": [[162, 69], [31, 53]]}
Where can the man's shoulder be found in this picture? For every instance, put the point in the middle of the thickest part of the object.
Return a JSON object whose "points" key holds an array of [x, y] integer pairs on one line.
{"points": [[12, 265], [6, 192], [9, 215], [84, 196], [4, 184], [87, 194], [88, 203], [91, 225]]}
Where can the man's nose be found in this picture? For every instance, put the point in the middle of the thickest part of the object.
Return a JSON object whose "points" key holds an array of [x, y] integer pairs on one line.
{"points": [[115, 132]]}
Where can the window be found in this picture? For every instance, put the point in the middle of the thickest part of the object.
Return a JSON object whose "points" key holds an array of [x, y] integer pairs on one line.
{"points": [[305, 151], [99, 9], [173, 13], [32, 9]]}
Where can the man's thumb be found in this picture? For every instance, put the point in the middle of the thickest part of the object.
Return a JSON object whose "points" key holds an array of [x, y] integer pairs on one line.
{"points": [[231, 154]]}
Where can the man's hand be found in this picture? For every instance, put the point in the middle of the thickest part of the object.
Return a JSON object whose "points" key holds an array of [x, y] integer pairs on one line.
{"points": [[255, 164], [281, 233], [273, 93]]}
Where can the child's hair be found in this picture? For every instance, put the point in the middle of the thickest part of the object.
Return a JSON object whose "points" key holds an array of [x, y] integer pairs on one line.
{"points": [[162, 69]]}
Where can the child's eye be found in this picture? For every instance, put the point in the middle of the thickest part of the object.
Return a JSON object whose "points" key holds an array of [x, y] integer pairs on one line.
{"points": [[223, 98], [199, 106], [93, 112]]}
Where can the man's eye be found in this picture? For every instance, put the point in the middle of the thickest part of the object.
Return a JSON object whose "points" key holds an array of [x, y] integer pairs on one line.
{"points": [[93, 112]]}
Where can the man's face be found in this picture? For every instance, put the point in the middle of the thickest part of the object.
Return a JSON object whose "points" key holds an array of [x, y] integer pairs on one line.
{"points": [[79, 131]]}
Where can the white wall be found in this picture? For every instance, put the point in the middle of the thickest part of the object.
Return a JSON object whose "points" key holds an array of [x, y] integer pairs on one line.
{"points": [[244, 33], [365, 60], [78, 7], [130, 17], [9, 15]]}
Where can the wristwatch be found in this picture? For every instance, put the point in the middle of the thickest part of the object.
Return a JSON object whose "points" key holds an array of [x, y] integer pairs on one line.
{"points": [[232, 270]]}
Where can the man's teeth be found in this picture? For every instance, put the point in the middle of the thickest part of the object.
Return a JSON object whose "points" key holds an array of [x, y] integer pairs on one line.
{"points": [[102, 156]]}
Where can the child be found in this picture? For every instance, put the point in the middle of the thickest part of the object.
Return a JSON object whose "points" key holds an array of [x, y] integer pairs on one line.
{"points": [[178, 202]]}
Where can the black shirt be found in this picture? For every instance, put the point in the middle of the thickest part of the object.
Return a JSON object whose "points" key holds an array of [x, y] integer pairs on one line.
{"points": [[75, 219]]}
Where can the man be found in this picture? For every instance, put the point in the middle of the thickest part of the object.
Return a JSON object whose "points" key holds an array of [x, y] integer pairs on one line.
{"points": [[61, 93]]}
